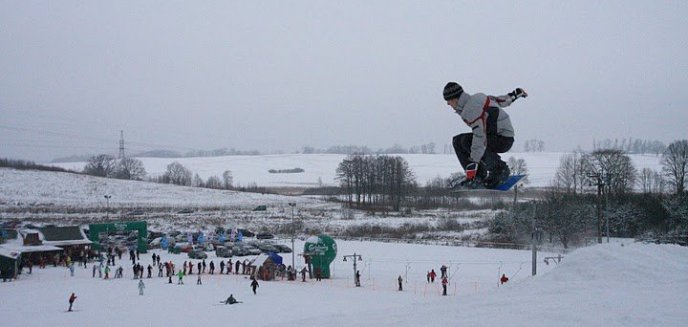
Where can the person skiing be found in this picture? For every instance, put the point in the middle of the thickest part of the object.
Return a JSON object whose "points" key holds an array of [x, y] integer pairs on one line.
{"points": [[445, 282], [504, 279], [222, 267], [443, 271], [254, 285], [72, 298], [478, 151], [141, 286], [433, 274], [180, 275], [357, 278], [400, 280], [198, 280]]}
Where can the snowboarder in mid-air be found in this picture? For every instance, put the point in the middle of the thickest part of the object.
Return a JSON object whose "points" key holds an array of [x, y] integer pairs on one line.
{"points": [[478, 151]]}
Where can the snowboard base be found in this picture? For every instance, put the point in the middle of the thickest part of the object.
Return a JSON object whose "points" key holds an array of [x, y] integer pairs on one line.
{"points": [[507, 185]]}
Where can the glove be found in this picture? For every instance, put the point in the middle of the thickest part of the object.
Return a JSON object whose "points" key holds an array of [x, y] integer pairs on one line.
{"points": [[518, 93], [471, 170]]}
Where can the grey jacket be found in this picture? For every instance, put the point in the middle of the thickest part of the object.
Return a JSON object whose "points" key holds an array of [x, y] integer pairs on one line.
{"points": [[485, 116]]}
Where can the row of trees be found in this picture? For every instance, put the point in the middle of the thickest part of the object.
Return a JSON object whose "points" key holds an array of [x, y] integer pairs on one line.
{"points": [[614, 170], [534, 145], [569, 213], [631, 145], [368, 180], [178, 174], [104, 165], [428, 148]]}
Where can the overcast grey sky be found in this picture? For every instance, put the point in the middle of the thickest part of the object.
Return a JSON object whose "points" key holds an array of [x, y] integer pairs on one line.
{"points": [[280, 75]]}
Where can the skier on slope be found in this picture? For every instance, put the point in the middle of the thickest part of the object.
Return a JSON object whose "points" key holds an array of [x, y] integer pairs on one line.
{"points": [[141, 286], [254, 285], [72, 298], [478, 151]]}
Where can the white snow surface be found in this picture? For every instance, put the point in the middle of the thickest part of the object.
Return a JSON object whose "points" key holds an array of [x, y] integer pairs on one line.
{"points": [[26, 188], [322, 167], [617, 284]]}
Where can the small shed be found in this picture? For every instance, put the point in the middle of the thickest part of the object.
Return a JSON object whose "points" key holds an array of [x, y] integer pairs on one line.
{"points": [[9, 263], [266, 265]]}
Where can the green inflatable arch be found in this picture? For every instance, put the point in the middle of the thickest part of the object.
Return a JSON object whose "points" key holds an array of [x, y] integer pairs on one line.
{"points": [[322, 249]]}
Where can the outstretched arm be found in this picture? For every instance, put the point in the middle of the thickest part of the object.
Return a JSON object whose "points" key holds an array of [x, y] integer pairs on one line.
{"points": [[506, 100]]}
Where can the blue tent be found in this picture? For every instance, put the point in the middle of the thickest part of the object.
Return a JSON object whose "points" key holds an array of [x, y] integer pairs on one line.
{"points": [[276, 258]]}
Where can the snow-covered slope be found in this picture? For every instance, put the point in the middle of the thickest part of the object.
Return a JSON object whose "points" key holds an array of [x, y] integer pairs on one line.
{"points": [[605, 285], [24, 188]]}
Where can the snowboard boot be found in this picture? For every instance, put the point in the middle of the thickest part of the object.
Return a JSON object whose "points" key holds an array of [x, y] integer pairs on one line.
{"points": [[461, 182], [498, 175]]}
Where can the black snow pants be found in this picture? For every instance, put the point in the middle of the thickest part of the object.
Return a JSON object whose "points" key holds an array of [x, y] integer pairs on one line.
{"points": [[495, 144]]}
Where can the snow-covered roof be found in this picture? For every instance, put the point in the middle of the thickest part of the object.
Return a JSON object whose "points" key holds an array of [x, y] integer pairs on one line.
{"points": [[28, 249], [9, 253], [58, 236]]}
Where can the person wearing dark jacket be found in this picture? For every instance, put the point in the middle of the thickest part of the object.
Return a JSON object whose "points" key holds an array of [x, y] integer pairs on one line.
{"points": [[504, 279], [212, 267], [231, 300], [254, 285], [72, 298]]}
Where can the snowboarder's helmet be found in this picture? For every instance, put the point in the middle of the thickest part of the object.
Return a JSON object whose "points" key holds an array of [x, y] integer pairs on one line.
{"points": [[452, 90]]}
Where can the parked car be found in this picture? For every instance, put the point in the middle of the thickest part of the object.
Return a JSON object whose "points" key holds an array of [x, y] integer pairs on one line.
{"points": [[224, 252], [197, 254], [246, 232], [264, 236], [282, 248]]}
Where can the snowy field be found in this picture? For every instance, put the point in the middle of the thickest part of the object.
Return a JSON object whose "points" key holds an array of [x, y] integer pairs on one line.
{"points": [[617, 284], [322, 167], [27, 188]]}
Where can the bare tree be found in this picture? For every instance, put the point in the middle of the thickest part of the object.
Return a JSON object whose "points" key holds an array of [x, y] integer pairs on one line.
{"points": [[130, 168], [197, 181], [228, 179], [102, 165], [675, 164], [615, 168], [177, 174], [518, 167], [214, 182], [571, 174]]}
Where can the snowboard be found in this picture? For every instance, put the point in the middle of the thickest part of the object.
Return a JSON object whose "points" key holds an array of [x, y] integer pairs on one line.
{"points": [[507, 185]]}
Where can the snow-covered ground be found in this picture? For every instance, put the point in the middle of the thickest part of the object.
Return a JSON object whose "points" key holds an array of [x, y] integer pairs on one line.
{"points": [[322, 167], [617, 284], [26, 188]]}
